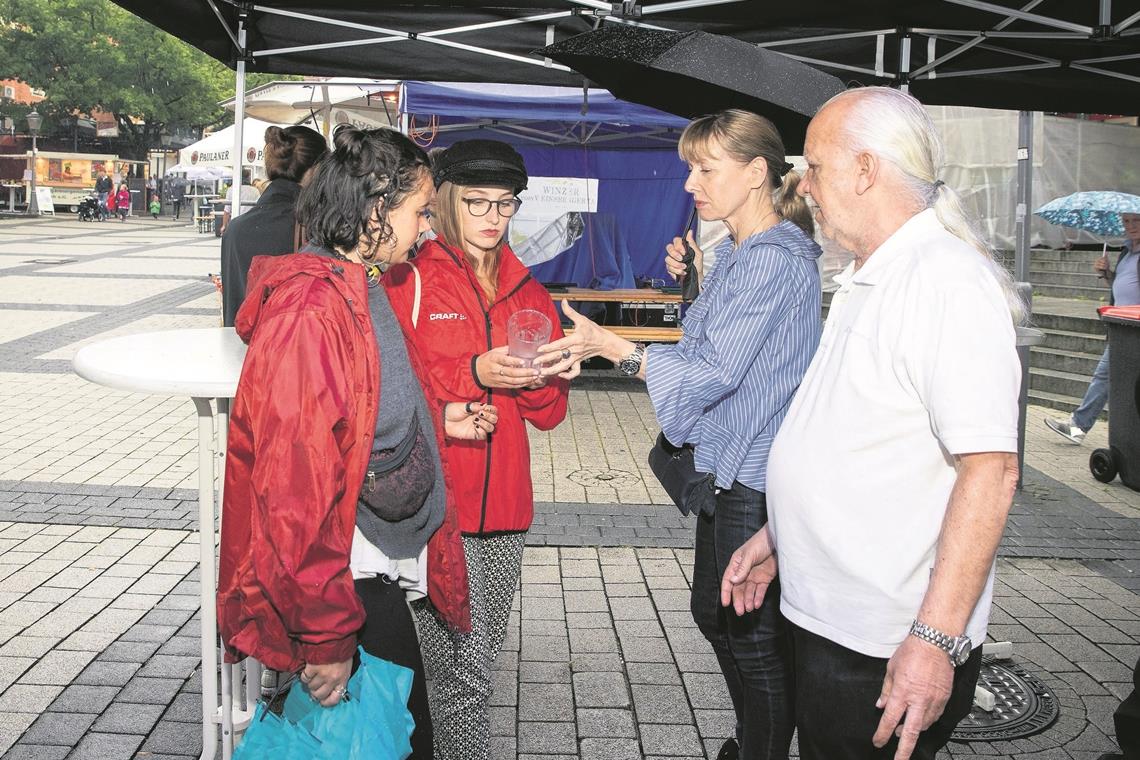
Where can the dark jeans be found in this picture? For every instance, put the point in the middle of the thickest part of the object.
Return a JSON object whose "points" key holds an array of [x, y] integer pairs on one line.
{"points": [[754, 650], [1127, 720], [390, 634], [836, 690]]}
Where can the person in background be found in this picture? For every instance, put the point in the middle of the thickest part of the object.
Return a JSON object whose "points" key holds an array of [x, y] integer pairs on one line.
{"points": [[1124, 290], [724, 389], [454, 301], [104, 186], [123, 201], [269, 228], [247, 195], [891, 478], [325, 536]]}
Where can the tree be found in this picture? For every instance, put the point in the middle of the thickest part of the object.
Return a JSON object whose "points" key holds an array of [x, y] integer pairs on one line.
{"points": [[91, 54]]}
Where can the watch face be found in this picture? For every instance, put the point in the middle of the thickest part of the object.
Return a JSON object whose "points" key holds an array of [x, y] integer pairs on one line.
{"points": [[961, 651]]}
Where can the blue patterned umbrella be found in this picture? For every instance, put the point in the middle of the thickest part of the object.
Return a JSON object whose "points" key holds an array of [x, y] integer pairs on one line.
{"points": [[1095, 211]]}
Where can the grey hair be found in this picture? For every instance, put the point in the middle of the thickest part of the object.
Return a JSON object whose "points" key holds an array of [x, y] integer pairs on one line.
{"points": [[896, 127]]}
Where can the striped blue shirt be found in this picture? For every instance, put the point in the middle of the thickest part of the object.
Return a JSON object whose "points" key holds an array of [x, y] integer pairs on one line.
{"points": [[748, 339]]}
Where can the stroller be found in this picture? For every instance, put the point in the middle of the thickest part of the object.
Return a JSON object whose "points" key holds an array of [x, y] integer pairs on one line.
{"points": [[89, 209]]}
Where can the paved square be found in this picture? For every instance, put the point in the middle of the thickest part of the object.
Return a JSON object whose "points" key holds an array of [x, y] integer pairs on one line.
{"points": [[99, 618]]}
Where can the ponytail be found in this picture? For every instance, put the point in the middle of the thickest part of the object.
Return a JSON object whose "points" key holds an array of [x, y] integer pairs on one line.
{"points": [[790, 205], [947, 206]]}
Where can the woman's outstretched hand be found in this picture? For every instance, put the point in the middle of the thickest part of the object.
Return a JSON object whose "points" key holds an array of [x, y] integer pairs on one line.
{"points": [[473, 421], [564, 356]]}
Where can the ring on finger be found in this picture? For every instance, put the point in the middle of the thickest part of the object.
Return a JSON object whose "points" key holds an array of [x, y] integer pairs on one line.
{"points": [[565, 354], [467, 407]]}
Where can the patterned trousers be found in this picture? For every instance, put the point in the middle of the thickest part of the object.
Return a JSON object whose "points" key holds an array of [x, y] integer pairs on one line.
{"points": [[459, 665]]}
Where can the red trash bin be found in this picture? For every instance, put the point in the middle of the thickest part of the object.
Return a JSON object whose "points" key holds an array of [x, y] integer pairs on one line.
{"points": [[1123, 453]]}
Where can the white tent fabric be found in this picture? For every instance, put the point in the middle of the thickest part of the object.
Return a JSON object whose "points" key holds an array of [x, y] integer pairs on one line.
{"points": [[1069, 155], [199, 172], [321, 104], [214, 150]]}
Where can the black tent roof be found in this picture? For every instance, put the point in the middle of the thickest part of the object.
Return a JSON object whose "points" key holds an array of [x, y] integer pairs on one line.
{"points": [[1054, 55]]}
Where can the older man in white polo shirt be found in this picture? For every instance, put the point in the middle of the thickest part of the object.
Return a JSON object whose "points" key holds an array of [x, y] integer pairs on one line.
{"points": [[891, 478]]}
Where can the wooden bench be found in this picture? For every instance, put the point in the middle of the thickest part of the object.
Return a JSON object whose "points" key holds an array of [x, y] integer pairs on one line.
{"points": [[638, 334], [642, 334]]}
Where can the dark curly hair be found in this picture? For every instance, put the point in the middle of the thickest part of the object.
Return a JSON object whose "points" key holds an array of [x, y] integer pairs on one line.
{"points": [[289, 152], [364, 169]]}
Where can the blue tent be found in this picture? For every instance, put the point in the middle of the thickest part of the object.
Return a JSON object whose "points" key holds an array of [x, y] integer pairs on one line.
{"points": [[630, 149]]}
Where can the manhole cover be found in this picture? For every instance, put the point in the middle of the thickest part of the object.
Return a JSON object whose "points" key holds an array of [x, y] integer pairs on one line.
{"points": [[51, 261], [611, 478], [1023, 705]]}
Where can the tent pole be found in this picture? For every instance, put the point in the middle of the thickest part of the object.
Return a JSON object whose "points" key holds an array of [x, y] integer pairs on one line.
{"points": [[1024, 194], [1021, 266], [904, 61], [239, 121]]}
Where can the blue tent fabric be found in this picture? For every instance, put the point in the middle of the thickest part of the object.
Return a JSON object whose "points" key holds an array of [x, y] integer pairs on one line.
{"points": [[529, 103], [642, 203], [599, 259]]}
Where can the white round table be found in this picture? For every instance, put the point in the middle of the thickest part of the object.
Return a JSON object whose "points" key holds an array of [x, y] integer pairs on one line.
{"points": [[203, 364]]}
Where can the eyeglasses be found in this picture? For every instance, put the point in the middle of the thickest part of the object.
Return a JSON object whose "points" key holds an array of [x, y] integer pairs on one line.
{"points": [[507, 207]]}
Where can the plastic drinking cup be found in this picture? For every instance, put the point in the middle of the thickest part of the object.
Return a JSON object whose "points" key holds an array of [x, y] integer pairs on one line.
{"points": [[526, 331]]}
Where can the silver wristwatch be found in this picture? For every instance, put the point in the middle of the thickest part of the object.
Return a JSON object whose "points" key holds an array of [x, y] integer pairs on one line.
{"points": [[630, 365], [957, 648]]}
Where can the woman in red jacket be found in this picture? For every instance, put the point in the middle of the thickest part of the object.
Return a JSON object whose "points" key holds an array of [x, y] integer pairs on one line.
{"points": [[455, 301], [335, 495]]}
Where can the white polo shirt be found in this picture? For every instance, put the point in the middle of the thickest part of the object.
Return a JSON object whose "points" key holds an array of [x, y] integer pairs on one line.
{"points": [[917, 363]]}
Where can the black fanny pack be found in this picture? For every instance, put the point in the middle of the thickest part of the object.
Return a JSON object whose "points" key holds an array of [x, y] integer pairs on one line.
{"points": [[399, 479], [675, 468]]}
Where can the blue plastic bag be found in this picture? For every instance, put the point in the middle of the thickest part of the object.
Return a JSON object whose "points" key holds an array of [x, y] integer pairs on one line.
{"points": [[374, 724]]}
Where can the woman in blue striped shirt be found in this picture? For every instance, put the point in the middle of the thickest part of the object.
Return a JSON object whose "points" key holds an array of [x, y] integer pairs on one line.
{"points": [[725, 387]]}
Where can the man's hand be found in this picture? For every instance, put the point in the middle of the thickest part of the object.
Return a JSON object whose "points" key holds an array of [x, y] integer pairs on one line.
{"points": [[917, 685], [750, 571], [327, 683]]}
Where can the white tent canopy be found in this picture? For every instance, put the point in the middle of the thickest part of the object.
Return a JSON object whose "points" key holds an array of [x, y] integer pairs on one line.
{"points": [[322, 104], [200, 172], [214, 150]]}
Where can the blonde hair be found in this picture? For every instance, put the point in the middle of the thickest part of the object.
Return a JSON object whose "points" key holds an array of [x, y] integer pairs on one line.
{"points": [[746, 136], [448, 226], [897, 128]]}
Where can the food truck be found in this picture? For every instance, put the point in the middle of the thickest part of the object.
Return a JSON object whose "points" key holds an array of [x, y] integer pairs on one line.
{"points": [[71, 176]]}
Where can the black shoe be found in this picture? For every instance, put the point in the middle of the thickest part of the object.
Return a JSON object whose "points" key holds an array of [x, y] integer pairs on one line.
{"points": [[730, 750]]}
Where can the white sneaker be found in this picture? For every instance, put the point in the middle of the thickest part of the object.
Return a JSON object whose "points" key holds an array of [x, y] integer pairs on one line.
{"points": [[1067, 428]]}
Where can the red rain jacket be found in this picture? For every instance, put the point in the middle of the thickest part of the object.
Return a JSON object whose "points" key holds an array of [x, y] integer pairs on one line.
{"points": [[301, 428], [456, 324]]}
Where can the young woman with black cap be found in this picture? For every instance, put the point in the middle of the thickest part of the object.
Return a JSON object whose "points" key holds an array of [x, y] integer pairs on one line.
{"points": [[456, 298], [335, 497]]}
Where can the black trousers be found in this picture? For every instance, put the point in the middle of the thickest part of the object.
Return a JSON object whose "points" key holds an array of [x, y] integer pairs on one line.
{"points": [[390, 634], [754, 649], [1127, 719], [836, 691]]}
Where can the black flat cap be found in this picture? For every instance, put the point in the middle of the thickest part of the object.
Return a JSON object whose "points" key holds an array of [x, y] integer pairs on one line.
{"points": [[481, 163]]}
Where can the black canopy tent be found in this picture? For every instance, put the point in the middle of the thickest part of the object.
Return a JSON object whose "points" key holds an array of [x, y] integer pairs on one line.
{"points": [[1029, 55], [1062, 55]]}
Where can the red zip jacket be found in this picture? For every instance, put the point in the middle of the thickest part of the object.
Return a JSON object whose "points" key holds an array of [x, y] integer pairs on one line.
{"points": [[456, 324], [301, 428]]}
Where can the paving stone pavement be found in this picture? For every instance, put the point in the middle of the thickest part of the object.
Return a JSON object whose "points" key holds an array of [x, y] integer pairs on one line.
{"points": [[99, 587]]}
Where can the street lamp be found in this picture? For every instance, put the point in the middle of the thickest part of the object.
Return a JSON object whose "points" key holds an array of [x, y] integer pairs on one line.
{"points": [[34, 123]]}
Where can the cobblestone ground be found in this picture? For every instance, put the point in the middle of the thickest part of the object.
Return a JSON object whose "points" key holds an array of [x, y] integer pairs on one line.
{"points": [[98, 576]]}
